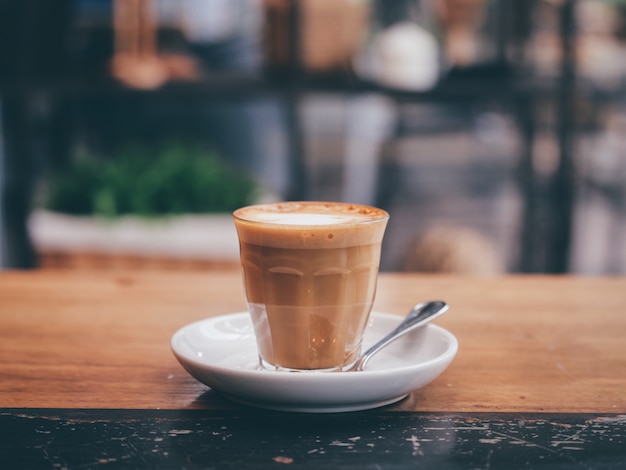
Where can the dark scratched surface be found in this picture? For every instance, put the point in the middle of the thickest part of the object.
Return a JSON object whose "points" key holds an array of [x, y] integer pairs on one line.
{"points": [[77, 439]]}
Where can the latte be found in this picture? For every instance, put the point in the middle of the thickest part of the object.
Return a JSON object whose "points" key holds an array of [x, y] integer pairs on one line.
{"points": [[310, 271]]}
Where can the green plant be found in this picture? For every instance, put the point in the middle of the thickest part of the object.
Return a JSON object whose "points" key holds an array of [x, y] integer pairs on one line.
{"points": [[172, 179]]}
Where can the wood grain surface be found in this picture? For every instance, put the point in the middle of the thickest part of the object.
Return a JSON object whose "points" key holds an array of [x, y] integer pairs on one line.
{"points": [[101, 340]]}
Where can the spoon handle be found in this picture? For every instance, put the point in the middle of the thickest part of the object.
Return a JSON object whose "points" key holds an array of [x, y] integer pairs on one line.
{"points": [[419, 315]]}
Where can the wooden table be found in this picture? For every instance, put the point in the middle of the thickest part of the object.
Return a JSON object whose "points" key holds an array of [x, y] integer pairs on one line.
{"points": [[87, 378]]}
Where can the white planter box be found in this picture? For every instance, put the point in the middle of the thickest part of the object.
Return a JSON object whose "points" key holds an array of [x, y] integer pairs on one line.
{"points": [[197, 237]]}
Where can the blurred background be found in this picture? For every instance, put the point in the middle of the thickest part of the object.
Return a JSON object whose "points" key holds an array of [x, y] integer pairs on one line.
{"points": [[492, 131]]}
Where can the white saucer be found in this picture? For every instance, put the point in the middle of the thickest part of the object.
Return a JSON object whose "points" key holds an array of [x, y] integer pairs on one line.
{"points": [[221, 353]]}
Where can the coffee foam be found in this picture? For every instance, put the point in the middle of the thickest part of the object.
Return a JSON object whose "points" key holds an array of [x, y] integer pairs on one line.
{"points": [[303, 218], [310, 213], [310, 224]]}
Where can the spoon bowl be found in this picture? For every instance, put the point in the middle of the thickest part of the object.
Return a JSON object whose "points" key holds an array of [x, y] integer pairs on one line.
{"points": [[419, 315]]}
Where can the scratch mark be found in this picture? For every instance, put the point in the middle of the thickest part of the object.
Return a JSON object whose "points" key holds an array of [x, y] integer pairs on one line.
{"points": [[471, 428], [530, 444], [567, 442], [495, 440], [341, 444], [619, 419], [415, 443]]}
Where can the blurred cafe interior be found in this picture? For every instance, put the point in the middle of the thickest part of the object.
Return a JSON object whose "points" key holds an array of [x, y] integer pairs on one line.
{"points": [[492, 131]]}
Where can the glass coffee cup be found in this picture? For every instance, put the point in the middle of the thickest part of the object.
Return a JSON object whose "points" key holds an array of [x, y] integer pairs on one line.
{"points": [[310, 271]]}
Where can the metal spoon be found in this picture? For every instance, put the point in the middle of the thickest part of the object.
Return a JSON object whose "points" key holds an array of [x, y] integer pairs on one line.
{"points": [[419, 315]]}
